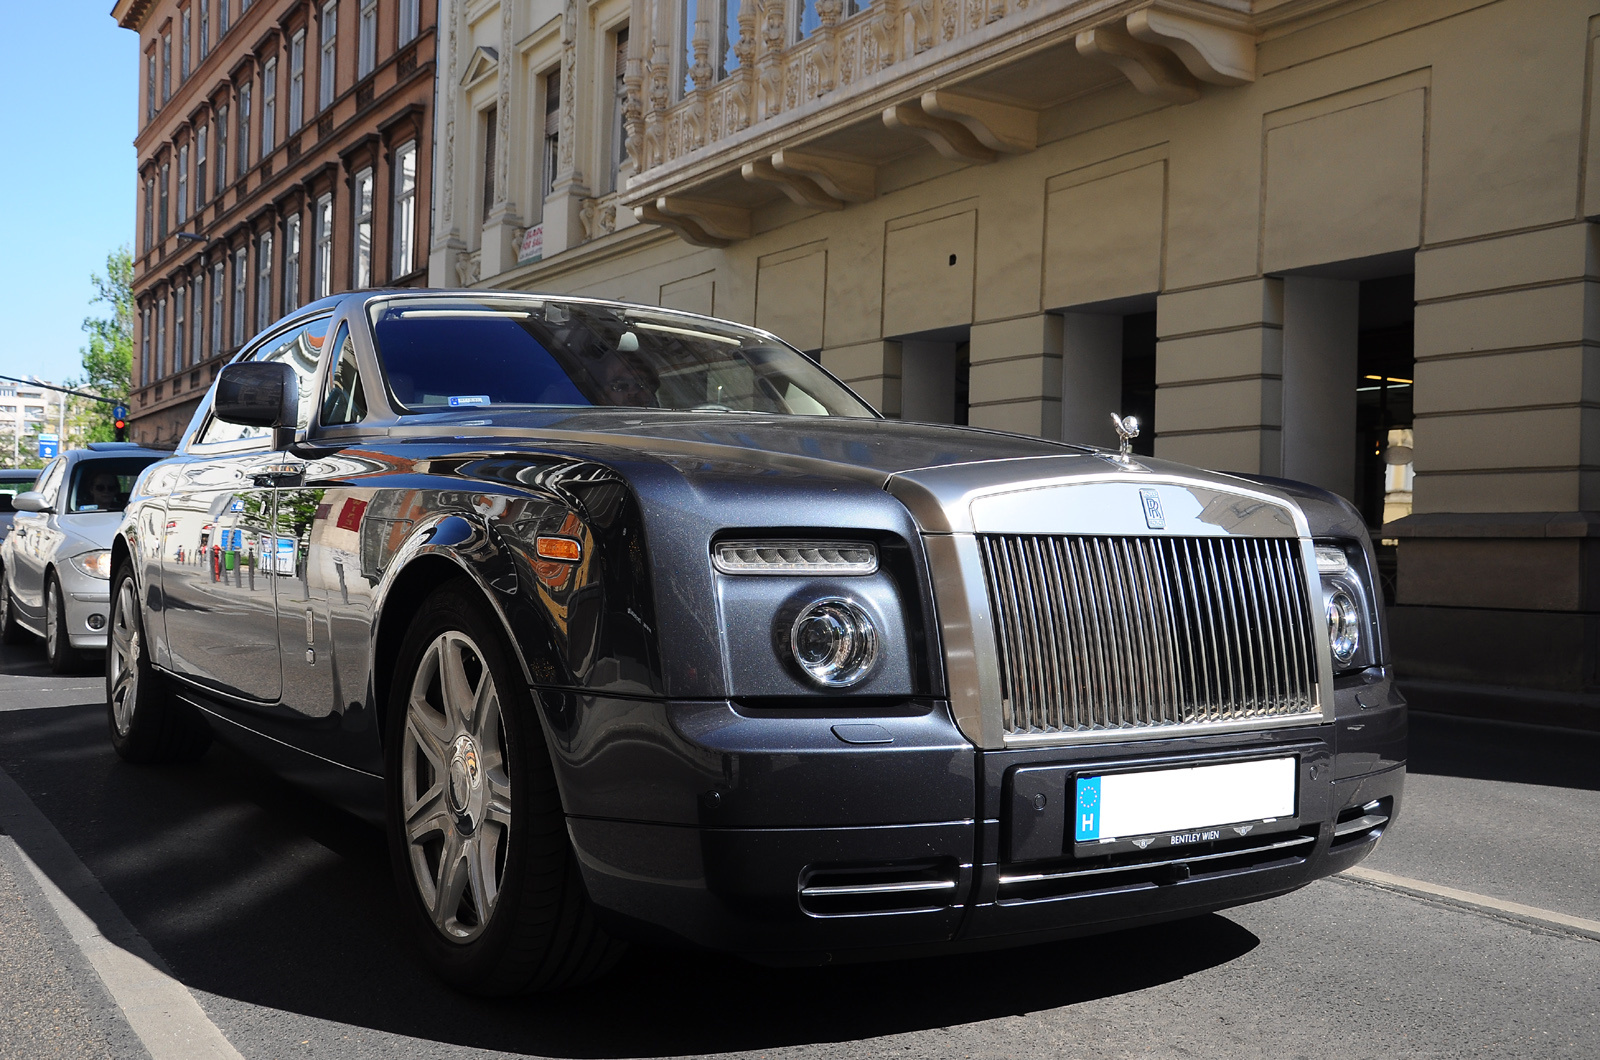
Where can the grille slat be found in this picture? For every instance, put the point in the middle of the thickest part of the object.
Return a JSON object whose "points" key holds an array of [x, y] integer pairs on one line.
{"points": [[1099, 633]]}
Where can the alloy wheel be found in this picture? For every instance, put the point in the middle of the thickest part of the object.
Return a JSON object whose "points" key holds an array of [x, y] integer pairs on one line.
{"points": [[455, 788], [52, 605], [123, 658]]}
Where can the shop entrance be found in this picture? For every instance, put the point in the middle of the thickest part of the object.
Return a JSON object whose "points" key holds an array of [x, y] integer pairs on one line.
{"points": [[1385, 374]]}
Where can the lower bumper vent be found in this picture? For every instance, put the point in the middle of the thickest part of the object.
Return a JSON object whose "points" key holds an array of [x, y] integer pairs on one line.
{"points": [[1076, 879], [1361, 824], [843, 890]]}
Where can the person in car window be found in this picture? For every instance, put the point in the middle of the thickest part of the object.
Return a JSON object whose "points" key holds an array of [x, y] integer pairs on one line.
{"points": [[627, 380]]}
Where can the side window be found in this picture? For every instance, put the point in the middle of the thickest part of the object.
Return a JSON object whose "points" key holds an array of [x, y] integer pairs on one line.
{"points": [[49, 480], [346, 401], [302, 349]]}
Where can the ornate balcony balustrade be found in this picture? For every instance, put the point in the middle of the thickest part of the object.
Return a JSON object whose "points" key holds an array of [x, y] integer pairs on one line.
{"points": [[814, 119]]}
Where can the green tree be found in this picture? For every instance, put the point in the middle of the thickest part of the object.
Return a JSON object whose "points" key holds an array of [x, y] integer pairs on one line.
{"points": [[108, 359]]}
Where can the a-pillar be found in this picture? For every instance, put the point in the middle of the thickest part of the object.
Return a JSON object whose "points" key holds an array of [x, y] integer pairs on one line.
{"points": [[1321, 321], [872, 370], [1219, 372], [1015, 383], [1498, 595]]}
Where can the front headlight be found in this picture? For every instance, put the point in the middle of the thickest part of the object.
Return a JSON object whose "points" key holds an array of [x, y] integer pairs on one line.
{"points": [[96, 564], [1344, 598], [834, 643]]}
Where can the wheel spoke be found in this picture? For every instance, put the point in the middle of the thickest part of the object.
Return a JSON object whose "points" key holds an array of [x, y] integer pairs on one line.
{"points": [[480, 869], [428, 734], [498, 806], [454, 686], [452, 880], [485, 710], [428, 817]]}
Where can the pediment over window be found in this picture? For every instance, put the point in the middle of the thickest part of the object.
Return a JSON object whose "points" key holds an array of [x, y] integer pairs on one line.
{"points": [[484, 63]]}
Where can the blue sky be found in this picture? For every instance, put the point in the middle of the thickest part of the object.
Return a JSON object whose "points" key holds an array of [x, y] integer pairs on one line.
{"points": [[68, 110]]}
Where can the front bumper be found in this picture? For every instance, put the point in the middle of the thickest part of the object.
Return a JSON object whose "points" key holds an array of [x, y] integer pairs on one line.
{"points": [[780, 836], [83, 598]]}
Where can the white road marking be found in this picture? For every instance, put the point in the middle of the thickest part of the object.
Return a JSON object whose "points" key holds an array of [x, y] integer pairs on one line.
{"points": [[1515, 910], [161, 1010]]}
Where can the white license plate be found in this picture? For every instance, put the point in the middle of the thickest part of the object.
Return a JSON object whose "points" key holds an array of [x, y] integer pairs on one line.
{"points": [[1121, 805]]}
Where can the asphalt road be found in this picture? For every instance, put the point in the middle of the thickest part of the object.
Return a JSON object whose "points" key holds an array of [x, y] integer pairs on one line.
{"points": [[220, 885]]}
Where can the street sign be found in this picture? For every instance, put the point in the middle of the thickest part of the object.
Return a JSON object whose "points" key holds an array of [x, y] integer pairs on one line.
{"points": [[49, 445]]}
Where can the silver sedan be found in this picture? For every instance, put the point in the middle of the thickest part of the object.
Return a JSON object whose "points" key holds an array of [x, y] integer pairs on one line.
{"points": [[55, 565]]}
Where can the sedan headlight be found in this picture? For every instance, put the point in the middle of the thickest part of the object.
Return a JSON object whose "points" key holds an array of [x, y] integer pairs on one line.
{"points": [[834, 642], [96, 564], [1344, 598]]}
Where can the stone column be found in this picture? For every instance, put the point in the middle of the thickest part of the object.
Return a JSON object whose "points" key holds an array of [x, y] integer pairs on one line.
{"points": [[1498, 600], [1320, 325], [563, 226], [498, 252], [872, 370], [1016, 375], [1219, 372]]}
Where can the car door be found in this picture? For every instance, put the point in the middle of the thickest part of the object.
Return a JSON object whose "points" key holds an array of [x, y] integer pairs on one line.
{"points": [[33, 537], [222, 557]]}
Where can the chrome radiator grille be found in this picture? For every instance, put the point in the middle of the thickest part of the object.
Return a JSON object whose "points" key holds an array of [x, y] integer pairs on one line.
{"points": [[1099, 633]]}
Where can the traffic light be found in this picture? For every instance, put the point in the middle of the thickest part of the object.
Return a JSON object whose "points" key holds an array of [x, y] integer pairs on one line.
{"points": [[119, 420]]}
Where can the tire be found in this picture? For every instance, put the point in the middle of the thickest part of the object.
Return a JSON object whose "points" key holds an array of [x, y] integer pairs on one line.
{"points": [[473, 791], [147, 724], [58, 649], [11, 631]]}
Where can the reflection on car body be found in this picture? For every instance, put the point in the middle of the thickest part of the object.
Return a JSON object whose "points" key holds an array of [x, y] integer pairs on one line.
{"points": [[634, 624]]}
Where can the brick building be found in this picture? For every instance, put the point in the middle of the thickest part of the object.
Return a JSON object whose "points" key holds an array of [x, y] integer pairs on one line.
{"points": [[284, 154]]}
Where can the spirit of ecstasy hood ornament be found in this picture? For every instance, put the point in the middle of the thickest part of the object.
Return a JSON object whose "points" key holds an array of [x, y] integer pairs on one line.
{"points": [[1127, 430]]}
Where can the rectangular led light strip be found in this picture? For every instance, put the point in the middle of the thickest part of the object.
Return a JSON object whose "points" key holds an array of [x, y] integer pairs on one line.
{"points": [[1331, 560], [795, 557]]}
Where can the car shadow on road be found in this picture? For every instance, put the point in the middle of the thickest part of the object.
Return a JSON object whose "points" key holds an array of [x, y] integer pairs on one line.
{"points": [[1480, 749], [253, 890]]}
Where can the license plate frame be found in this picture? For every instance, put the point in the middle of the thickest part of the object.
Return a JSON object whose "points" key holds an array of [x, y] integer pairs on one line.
{"points": [[1183, 805]]}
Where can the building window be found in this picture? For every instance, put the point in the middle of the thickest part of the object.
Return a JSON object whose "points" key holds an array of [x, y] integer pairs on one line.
{"points": [[222, 17], [166, 67], [410, 11], [244, 129], [491, 122], [326, 78], [217, 283], [367, 55], [405, 208], [183, 46], [183, 183], [322, 263], [269, 106], [806, 20], [178, 348], [144, 350], [158, 369], [361, 264], [200, 136], [297, 80], [150, 86], [291, 263], [619, 99], [264, 281], [552, 133], [197, 304], [149, 214], [205, 29], [222, 148], [161, 217], [721, 21], [241, 290]]}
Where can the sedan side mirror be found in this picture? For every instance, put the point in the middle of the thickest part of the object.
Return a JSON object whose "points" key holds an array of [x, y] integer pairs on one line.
{"points": [[32, 501], [259, 394]]}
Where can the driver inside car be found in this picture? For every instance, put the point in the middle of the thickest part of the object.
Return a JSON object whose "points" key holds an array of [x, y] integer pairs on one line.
{"points": [[626, 380]]}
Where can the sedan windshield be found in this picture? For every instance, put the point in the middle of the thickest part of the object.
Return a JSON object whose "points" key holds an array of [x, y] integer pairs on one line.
{"points": [[471, 351], [103, 485]]}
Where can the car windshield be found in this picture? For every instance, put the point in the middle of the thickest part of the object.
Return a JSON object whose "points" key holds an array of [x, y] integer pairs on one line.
{"points": [[103, 485], [472, 351]]}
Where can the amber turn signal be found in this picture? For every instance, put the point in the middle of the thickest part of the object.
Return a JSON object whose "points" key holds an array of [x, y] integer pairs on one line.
{"points": [[563, 548]]}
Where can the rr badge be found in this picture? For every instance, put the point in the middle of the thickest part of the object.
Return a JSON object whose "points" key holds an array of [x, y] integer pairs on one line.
{"points": [[1154, 517]]}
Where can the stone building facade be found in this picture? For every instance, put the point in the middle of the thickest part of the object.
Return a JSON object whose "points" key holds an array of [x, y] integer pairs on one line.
{"points": [[285, 153], [1345, 242]]}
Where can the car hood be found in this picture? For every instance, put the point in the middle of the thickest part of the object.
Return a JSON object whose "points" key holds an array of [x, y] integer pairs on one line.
{"points": [[86, 530]]}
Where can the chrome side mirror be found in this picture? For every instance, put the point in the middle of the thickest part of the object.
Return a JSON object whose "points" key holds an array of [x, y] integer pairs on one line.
{"points": [[31, 501], [260, 394]]}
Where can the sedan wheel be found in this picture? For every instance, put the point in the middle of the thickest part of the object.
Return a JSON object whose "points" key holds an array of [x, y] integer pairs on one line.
{"points": [[477, 835], [11, 631], [58, 649], [455, 792], [147, 724]]}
